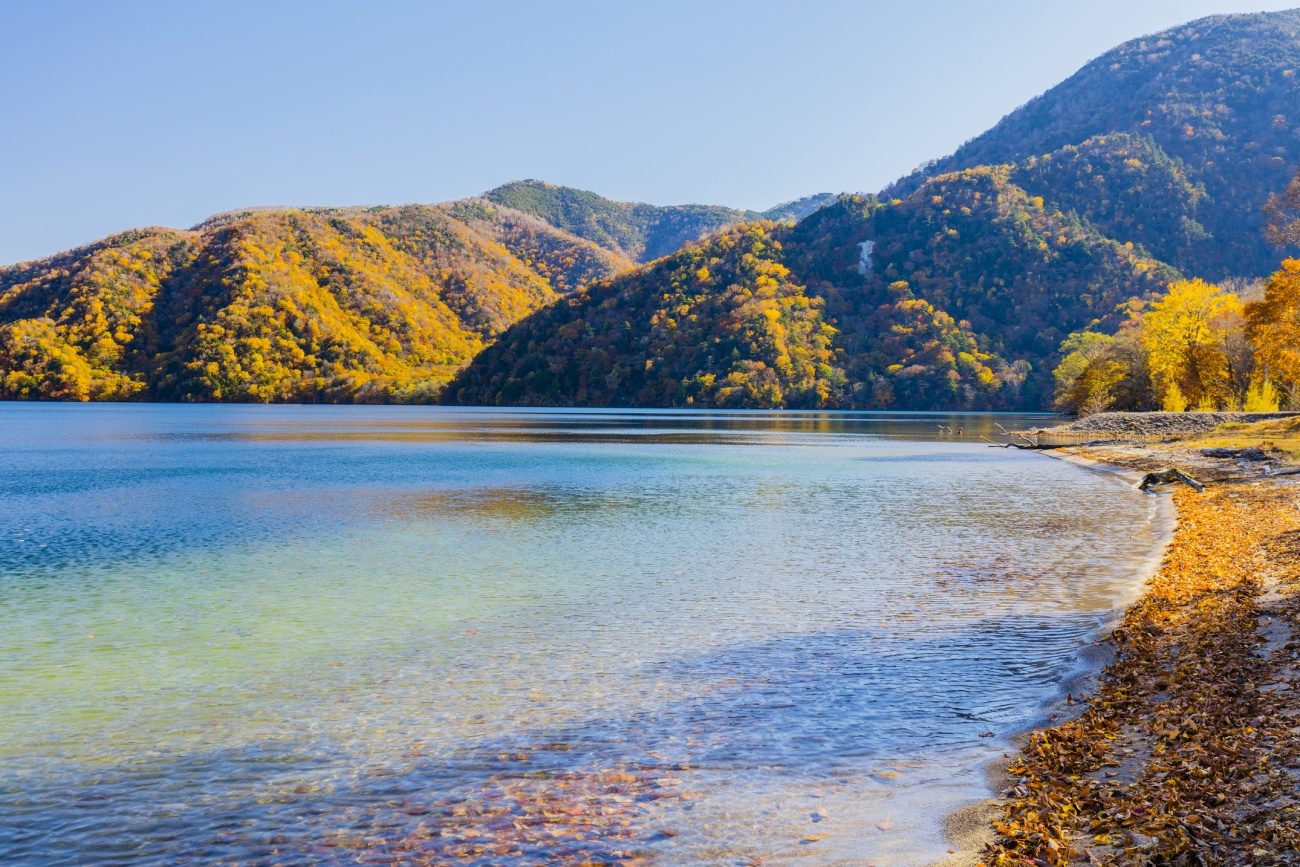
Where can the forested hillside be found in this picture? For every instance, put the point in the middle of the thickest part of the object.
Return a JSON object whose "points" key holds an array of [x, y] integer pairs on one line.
{"points": [[636, 230], [1217, 101], [1126, 188], [379, 304], [720, 323], [956, 288], [956, 297]]}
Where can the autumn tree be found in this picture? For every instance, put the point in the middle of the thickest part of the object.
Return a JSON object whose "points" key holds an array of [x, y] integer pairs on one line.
{"points": [[1273, 325], [1185, 333], [1100, 372], [1077, 385]]}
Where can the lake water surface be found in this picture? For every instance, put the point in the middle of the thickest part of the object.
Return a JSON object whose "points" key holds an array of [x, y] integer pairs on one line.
{"points": [[290, 635]]}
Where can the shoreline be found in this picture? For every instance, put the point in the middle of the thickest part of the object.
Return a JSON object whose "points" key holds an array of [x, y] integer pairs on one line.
{"points": [[969, 830], [1158, 756]]}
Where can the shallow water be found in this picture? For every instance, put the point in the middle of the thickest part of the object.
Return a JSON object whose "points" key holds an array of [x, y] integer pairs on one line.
{"points": [[287, 635]]}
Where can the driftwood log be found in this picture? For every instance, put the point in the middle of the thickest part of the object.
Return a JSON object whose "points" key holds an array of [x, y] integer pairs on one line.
{"points": [[1027, 444], [1164, 477]]}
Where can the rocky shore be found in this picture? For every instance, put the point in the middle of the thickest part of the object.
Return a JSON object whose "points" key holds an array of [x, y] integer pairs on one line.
{"points": [[1163, 424], [1187, 747]]}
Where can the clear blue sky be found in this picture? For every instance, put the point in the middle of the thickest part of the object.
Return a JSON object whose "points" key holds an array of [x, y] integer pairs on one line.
{"points": [[120, 114]]}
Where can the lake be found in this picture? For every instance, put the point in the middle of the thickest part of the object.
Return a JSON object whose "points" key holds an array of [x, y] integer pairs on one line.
{"points": [[319, 635]]}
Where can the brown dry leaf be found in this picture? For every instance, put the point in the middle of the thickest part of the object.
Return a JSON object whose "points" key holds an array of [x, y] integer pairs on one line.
{"points": [[1198, 747]]}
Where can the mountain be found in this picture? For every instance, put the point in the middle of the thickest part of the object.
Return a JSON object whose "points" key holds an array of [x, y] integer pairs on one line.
{"points": [[363, 304], [956, 297], [635, 230], [359, 304], [1216, 101], [799, 208], [1127, 188], [954, 288], [719, 323]]}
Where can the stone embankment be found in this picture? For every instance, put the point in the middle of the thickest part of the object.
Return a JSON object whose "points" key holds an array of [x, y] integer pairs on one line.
{"points": [[1162, 424]]}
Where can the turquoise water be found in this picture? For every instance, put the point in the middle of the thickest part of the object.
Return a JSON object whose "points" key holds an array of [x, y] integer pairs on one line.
{"points": [[288, 635]]}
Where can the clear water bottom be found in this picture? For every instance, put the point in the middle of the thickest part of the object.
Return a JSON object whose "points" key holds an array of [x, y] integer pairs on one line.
{"points": [[274, 635]]}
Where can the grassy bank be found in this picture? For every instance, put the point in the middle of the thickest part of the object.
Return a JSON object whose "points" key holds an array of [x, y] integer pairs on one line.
{"points": [[1188, 751]]}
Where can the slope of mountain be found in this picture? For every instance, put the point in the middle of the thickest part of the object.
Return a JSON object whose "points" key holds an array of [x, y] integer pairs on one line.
{"points": [[800, 208], [635, 230], [718, 323], [630, 229], [566, 260], [956, 297], [1127, 188], [363, 304], [1220, 97]]}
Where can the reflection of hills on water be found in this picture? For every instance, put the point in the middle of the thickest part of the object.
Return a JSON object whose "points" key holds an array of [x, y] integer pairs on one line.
{"points": [[594, 425]]}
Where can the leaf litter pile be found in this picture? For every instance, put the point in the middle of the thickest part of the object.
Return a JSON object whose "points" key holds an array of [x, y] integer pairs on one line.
{"points": [[1189, 751]]}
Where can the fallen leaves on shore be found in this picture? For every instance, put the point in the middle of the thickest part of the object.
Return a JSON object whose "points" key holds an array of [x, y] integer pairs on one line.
{"points": [[1189, 752]]}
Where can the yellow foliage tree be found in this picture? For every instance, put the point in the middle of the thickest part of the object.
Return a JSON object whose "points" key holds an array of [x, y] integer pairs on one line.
{"points": [[1173, 400], [1262, 397], [1183, 335], [1273, 324]]}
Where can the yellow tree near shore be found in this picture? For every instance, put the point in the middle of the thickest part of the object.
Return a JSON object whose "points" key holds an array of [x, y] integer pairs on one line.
{"points": [[1184, 336], [1273, 324]]}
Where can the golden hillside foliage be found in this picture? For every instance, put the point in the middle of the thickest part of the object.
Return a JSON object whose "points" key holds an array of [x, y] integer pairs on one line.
{"points": [[270, 306], [927, 357], [72, 327], [721, 323]]}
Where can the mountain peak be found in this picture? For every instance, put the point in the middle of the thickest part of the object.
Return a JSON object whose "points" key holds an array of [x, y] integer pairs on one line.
{"points": [[1220, 95]]}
